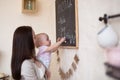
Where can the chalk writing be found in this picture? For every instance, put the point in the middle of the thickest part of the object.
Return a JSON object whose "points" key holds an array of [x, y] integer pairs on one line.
{"points": [[65, 21]]}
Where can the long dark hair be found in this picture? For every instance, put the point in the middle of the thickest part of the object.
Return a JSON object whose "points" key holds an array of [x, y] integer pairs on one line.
{"points": [[23, 48]]}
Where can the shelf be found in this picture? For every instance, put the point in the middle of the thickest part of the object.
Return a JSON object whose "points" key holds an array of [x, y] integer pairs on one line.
{"points": [[29, 6], [4, 78]]}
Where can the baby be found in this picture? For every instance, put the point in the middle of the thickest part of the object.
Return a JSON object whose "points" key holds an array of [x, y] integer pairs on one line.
{"points": [[45, 48]]}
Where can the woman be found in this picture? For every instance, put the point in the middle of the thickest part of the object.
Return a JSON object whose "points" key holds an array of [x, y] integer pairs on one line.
{"points": [[24, 66]]}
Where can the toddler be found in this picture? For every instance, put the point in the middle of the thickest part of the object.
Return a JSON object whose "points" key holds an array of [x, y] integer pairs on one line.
{"points": [[45, 48]]}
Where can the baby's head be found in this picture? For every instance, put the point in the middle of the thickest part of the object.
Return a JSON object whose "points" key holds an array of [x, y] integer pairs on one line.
{"points": [[42, 39]]}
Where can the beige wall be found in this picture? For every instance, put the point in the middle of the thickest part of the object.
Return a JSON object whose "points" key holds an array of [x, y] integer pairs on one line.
{"points": [[91, 55], [11, 17]]}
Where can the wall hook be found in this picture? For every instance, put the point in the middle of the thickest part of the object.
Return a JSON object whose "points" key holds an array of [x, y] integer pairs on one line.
{"points": [[106, 17]]}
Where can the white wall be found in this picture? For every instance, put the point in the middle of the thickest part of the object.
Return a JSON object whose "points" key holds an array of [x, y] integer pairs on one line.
{"points": [[91, 55], [11, 17]]}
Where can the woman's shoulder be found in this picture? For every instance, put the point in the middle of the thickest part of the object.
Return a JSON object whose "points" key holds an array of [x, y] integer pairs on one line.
{"points": [[27, 62], [29, 71], [27, 66], [30, 63]]}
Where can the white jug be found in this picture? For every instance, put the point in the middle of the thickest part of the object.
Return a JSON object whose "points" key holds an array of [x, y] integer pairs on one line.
{"points": [[107, 37]]}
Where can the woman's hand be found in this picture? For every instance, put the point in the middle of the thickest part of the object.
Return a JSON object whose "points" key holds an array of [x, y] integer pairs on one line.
{"points": [[48, 74], [37, 62]]}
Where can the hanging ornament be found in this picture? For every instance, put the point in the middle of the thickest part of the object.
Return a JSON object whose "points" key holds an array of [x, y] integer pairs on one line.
{"points": [[57, 52], [69, 73], [76, 59], [61, 73], [58, 59], [74, 66]]}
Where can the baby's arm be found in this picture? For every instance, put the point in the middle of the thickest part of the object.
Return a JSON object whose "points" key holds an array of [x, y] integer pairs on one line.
{"points": [[55, 46]]}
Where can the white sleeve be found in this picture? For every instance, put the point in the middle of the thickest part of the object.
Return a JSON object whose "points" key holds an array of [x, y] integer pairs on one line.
{"points": [[28, 71], [40, 71]]}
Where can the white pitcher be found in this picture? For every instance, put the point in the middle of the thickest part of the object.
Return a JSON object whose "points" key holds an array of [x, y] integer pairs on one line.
{"points": [[107, 37]]}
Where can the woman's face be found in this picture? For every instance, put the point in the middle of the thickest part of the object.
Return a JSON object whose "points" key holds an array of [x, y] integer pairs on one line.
{"points": [[34, 38]]}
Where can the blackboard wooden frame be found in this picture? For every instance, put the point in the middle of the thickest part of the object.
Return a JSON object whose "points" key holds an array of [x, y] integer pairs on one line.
{"points": [[75, 21]]}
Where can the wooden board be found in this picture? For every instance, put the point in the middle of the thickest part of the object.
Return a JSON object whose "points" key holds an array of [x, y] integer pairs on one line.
{"points": [[67, 22]]}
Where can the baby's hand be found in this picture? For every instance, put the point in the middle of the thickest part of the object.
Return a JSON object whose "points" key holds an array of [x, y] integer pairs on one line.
{"points": [[62, 39], [58, 39], [37, 63]]}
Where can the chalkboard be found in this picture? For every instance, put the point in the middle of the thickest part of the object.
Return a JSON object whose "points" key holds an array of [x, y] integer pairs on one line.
{"points": [[66, 22]]}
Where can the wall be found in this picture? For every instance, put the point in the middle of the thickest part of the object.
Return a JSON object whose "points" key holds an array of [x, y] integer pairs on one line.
{"points": [[11, 17], [91, 55]]}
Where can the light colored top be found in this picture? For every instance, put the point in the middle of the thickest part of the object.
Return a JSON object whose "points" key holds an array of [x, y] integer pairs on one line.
{"points": [[44, 56], [113, 56], [30, 71]]}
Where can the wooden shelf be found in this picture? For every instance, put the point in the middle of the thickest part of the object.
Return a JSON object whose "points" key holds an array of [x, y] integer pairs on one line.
{"points": [[4, 78], [29, 6]]}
